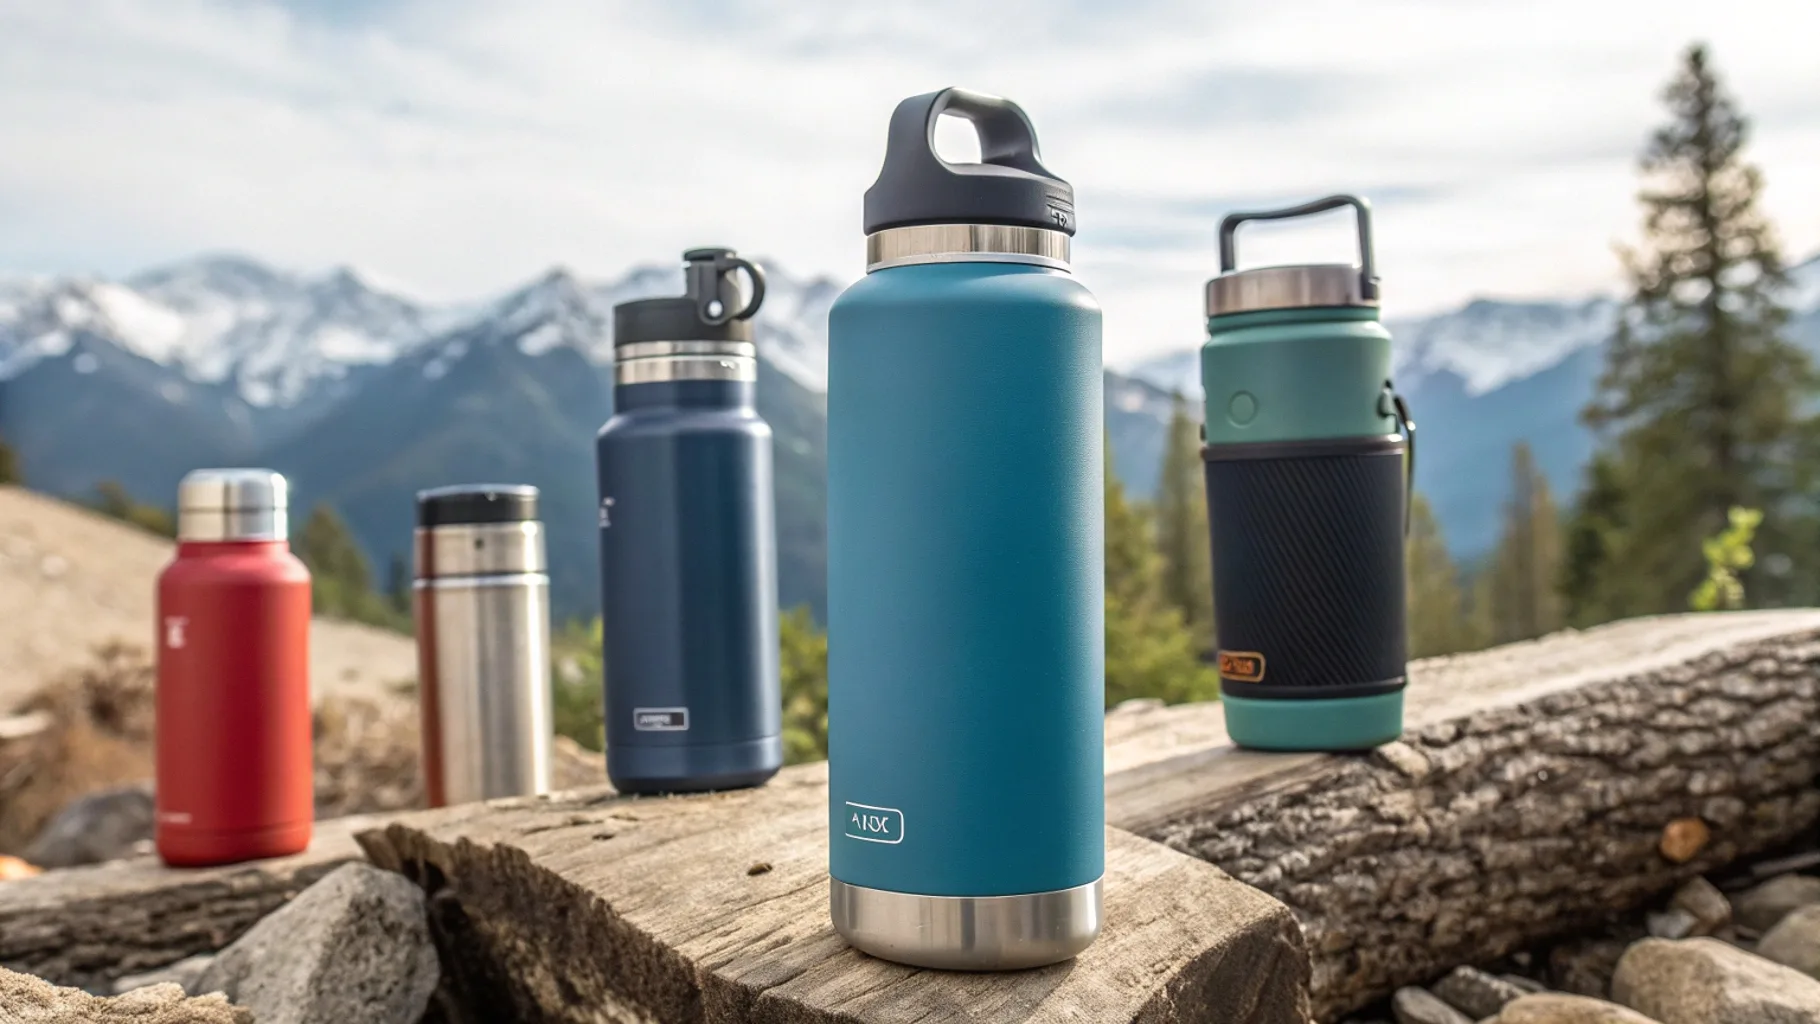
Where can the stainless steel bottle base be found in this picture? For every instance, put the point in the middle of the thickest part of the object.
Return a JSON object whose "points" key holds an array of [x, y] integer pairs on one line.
{"points": [[967, 933]]}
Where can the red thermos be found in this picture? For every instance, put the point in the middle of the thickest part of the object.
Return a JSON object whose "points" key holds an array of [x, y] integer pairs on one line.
{"points": [[233, 733]]}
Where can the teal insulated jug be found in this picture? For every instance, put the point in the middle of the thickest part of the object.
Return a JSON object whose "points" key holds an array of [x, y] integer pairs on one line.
{"points": [[1308, 460], [966, 560]]}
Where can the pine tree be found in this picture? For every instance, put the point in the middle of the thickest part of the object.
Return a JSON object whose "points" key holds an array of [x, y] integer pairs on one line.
{"points": [[1525, 570], [1181, 527], [1436, 605], [1592, 589], [1702, 399], [9, 465], [1149, 653], [341, 583], [112, 500], [398, 585]]}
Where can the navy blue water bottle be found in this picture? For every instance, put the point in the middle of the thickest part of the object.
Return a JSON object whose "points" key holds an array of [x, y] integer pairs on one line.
{"points": [[688, 555]]}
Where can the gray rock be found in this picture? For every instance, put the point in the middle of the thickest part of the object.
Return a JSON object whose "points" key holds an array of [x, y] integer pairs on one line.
{"points": [[26, 998], [1528, 985], [1705, 981], [102, 826], [1760, 907], [1420, 1006], [1475, 993], [1555, 1008], [183, 974], [1673, 923], [1702, 900], [353, 947], [1795, 941]]}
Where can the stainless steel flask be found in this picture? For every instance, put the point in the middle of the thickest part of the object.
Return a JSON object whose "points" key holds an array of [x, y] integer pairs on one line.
{"points": [[483, 643]]}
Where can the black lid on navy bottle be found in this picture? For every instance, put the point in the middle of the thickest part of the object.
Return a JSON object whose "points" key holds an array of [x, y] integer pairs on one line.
{"points": [[1009, 185], [712, 309], [473, 504]]}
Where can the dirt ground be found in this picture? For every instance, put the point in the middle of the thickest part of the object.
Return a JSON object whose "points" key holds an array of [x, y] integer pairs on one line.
{"points": [[71, 580]]}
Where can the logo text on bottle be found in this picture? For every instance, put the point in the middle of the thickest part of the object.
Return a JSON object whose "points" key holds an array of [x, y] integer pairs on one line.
{"points": [[173, 630], [1242, 666], [872, 824], [660, 719]]}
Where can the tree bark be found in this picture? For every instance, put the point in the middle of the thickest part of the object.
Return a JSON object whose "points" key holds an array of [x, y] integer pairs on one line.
{"points": [[1529, 796]]}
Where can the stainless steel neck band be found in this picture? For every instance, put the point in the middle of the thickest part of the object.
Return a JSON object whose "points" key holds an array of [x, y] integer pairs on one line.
{"points": [[966, 243], [1296, 287], [479, 549], [654, 362]]}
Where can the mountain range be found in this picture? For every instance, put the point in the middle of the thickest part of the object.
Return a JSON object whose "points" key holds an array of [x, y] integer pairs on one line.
{"points": [[362, 397]]}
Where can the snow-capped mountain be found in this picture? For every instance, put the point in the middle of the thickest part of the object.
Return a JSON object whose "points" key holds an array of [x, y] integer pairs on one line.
{"points": [[279, 340]]}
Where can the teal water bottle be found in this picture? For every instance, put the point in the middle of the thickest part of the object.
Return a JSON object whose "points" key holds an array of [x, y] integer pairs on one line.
{"points": [[966, 561], [1309, 457]]}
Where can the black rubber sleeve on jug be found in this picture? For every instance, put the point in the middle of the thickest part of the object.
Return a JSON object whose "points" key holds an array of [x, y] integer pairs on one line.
{"points": [[1009, 185], [1307, 541]]}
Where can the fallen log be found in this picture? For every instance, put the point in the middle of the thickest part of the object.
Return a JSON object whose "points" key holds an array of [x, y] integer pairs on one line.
{"points": [[1530, 796], [715, 908], [86, 926]]}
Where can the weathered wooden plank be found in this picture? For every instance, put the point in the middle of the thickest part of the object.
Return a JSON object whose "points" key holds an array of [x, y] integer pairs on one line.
{"points": [[1527, 798], [715, 908], [85, 925]]}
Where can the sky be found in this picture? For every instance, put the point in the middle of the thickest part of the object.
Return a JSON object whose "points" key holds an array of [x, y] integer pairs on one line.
{"points": [[453, 149]]}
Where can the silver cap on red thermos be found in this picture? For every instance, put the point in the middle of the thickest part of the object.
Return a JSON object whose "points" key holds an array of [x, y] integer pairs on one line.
{"points": [[232, 505]]}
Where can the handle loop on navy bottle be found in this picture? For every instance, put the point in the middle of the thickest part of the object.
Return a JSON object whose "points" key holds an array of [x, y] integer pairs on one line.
{"points": [[1368, 271], [709, 284], [1400, 409]]}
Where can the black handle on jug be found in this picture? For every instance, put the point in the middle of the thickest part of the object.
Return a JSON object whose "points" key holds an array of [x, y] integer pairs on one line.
{"points": [[1368, 272], [710, 284], [1009, 185], [1400, 409]]}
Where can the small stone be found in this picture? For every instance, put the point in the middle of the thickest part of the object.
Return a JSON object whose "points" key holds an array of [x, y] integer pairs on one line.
{"points": [[101, 826], [1673, 923], [1528, 985], [183, 974], [1760, 907], [1584, 968], [1407, 760], [1475, 993], [1703, 901], [27, 998], [1683, 838], [1705, 981], [353, 947], [1795, 941], [1420, 1006], [1555, 1008]]}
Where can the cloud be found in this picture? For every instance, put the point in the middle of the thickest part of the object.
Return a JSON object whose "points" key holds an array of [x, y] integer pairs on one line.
{"points": [[456, 148]]}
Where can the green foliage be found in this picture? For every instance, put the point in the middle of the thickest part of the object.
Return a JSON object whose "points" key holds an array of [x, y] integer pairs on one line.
{"points": [[340, 583], [1186, 576], [1592, 591], [803, 665], [111, 500], [1523, 595], [1703, 400], [1727, 554], [9, 465], [1149, 653], [577, 685], [1437, 611]]}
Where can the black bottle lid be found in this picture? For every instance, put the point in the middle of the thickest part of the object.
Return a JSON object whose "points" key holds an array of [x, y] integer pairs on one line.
{"points": [[711, 310], [1009, 185], [472, 504]]}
